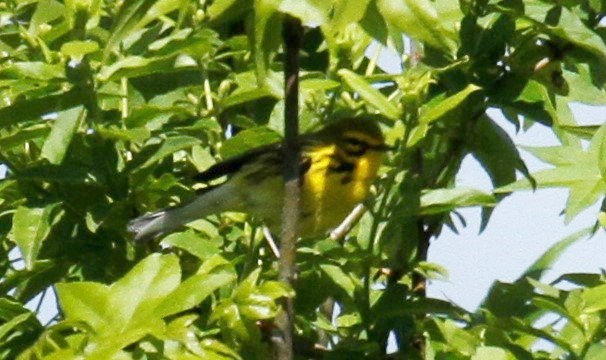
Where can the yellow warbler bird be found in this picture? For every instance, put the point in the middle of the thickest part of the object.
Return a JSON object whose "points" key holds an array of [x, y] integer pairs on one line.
{"points": [[338, 165]]}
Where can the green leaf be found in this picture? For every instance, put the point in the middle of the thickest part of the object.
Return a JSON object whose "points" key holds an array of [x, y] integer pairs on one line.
{"points": [[159, 9], [464, 342], [31, 227], [221, 11], [575, 168], [64, 174], [137, 66], [319, 84], [170, 146], [584, 132], [259, 310], [267, 32], [185, 42], [595, 299], [432, 271], [340, 278], [33, 109], [33, 70], [245, 96], [135, 297], [192, 292], [193, 244], [78, 49], [126, 21], [583, 88], [23, 135], [569, 27], [17, 324], [348, 320], [310, 12], [443, 200], [347, 12], [490, 353], [152, 116], [137, 135], [498, 155], [62, 132], [46, 12], [248, 139], [596, 352], [370, 94], [545, 290], [14, 324], [598, 147], [126, 311], [276, 290], [496, 152], [546, 261], [246, 288], [87, 302], [442, 108], [418, 19], [438, 110], [250, 88]]}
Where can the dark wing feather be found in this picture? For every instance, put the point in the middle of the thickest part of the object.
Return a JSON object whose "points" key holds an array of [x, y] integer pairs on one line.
{"points": [[233, 164]]}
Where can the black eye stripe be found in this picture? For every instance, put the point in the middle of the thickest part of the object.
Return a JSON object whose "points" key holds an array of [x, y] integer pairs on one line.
{"points": [[356, 142], [358, 151]]}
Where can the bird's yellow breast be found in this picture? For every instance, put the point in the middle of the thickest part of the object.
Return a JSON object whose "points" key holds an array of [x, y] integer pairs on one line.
{"points": [[334, 184]]}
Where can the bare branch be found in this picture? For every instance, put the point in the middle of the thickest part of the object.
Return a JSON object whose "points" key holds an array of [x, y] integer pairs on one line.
{"points": [[350, 221], [283, 335]]}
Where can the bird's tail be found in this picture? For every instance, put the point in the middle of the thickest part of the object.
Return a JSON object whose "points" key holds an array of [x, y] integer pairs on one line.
{"points": [[148, 226]]}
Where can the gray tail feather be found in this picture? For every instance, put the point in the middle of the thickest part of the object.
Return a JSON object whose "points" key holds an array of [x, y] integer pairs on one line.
{"points": [[143, 227]]}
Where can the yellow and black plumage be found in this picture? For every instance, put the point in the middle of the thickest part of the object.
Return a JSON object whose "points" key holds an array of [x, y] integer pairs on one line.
{"points": [[338, 165]]}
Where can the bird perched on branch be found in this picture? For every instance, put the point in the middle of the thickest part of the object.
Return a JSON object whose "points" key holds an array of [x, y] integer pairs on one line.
{"points": [[338, 165]]}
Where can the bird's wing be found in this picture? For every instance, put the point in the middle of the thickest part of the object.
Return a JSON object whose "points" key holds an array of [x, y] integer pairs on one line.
{"points": [[233, 164]]}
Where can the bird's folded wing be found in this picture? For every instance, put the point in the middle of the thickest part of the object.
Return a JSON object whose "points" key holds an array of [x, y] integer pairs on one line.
{"points": [[233, 164], [230, 166]]}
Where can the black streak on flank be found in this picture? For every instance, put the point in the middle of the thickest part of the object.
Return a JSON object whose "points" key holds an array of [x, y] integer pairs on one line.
{"points": [[346, 179], [304, 166], [342, 166]]}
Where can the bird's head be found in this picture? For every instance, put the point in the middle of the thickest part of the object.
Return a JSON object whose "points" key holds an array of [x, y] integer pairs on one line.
{"points": [[355, 136]]}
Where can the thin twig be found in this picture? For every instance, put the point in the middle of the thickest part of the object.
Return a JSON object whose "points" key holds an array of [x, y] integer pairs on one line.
{"points": [[419, 282], [350, 221], [208, 95], [39, 305], [271, 242], [124, 94]]}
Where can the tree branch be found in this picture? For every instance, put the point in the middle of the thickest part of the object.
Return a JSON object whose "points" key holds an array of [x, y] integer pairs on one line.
{"points": [[283, 334]]}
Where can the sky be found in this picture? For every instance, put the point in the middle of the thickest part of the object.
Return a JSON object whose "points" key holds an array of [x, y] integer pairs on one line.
{"points": [[523, 226]]}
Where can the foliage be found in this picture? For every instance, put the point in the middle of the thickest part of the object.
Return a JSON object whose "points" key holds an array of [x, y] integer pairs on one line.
{"points": [[108, 108]]}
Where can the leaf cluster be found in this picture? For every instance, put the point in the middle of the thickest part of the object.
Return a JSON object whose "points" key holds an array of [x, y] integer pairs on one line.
{"points": [[108, 108]]}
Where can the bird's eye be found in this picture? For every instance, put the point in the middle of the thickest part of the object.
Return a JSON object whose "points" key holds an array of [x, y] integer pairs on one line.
{"points": [[355, 142], [355, 146]]}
